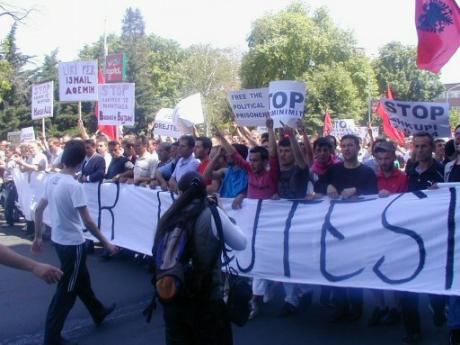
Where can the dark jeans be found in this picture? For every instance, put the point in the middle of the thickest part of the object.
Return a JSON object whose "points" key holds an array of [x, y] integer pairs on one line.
{"points": [[74, 283], [409, 310], [11, 196], [191, 323], [348, 299]]}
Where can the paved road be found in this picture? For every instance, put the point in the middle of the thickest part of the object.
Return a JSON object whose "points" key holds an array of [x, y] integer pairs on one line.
{"points": [[24, 301]]}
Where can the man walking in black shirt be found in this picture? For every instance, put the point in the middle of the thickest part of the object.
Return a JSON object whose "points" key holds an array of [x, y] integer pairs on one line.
{"points": [[423, 174], [349, 179]]}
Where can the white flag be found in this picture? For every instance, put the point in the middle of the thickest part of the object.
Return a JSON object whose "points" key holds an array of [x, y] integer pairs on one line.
{"points": [[188, 112]]}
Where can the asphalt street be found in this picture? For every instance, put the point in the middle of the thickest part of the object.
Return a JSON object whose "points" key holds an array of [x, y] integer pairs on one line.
{"points": [[24, 301]]}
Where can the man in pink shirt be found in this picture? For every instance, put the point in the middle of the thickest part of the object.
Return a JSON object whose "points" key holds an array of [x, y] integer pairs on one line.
{"points": [[262, 184]]}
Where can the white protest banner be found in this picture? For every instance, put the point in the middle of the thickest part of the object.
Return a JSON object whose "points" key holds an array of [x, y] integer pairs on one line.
{"points": [[342, 127], [14, 137], [42, 100], [116, 104], [363, 132], [249, 106], [414, 117], [27, 134], [188, 112], [78, 81], [286, 101], [394, 245], [164, 125]]}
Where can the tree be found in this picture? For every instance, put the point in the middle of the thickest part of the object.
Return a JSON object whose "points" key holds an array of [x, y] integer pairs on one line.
{"points": [[298, 44], [136, 46], [396, 66], [212, 72]]}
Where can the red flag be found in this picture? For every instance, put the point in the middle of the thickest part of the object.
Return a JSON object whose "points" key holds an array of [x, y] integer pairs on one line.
{"points": [[327, 129], [394, 134], [110, 131], [438, 30]]}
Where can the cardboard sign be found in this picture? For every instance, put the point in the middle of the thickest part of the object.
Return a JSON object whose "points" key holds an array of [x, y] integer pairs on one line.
{"points": [[14, 137], [27, 134], [286, 102], [115, 68], [42, 100], [414, 117], [164, 125], [188, 111], [78, 81], [116, 104], [342, 127], [362, 132], [249, 106]]}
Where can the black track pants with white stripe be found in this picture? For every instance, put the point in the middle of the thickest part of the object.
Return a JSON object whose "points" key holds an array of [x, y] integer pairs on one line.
{"points": [[74, 283]]}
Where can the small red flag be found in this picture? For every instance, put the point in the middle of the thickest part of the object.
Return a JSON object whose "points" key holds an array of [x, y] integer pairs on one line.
{"points": [[110, 131], [438, 30], [327, 129], [394, 134]]}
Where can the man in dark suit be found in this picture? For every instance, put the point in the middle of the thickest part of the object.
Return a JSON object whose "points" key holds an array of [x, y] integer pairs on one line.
{"points": [[93, 168]]}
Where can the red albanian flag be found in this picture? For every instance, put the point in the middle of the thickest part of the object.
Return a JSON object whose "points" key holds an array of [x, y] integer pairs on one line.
{"points": [[438, 30], [327, 129], [394, 134], [110, 131]]}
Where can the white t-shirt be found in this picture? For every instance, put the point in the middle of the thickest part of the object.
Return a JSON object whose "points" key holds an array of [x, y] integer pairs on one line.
{"points": [[65, 195], [145, 166]]}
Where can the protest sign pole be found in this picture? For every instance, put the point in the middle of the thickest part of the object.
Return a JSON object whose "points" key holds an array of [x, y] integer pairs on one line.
{"points": [[43, 128], [79, 110]]}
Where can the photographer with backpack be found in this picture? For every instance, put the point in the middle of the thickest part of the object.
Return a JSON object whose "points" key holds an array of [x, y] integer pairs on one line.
{"points": [[188, 269]]}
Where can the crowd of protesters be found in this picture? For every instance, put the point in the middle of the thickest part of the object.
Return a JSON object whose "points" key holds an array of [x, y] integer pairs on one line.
{"points": [[281, 164]]}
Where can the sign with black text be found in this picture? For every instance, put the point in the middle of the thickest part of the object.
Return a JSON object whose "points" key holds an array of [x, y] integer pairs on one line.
{"points": [[42, 100], [286, 102], [78, 81], [249, 106], [414, 117], [164, 125], [116, 104]]}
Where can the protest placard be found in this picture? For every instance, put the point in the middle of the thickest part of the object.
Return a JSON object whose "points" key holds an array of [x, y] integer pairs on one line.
{"points": [[78, 81], [14, 137], [42, 100], [116, 104], [115, 68], [188, 112], [342, 127], [363, 132], [249, 106], [414, 117], [27, 134], [164, 125], [286, 101]]}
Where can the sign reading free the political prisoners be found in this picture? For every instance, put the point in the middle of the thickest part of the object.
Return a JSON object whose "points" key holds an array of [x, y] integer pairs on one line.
{"points": [[283, 101], [116, 104], [414, 117], [78, 81], [42, 100], [249, 106]]}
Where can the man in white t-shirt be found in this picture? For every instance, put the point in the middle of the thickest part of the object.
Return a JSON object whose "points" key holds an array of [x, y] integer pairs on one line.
{"points": [[68, 206]]}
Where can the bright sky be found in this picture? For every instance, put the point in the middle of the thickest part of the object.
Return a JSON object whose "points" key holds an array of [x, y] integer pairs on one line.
{"points": [[69, 24]]}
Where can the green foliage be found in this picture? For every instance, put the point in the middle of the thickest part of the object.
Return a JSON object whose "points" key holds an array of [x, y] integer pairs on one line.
{"points": [[211, 72], [298, 44], [396, 66]]}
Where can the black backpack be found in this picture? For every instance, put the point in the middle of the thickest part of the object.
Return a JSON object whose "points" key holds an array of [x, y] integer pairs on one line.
{"points": [[239, 292]]}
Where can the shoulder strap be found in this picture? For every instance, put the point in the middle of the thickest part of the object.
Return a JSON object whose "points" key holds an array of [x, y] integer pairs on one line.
{"points": [[220, 232]]}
